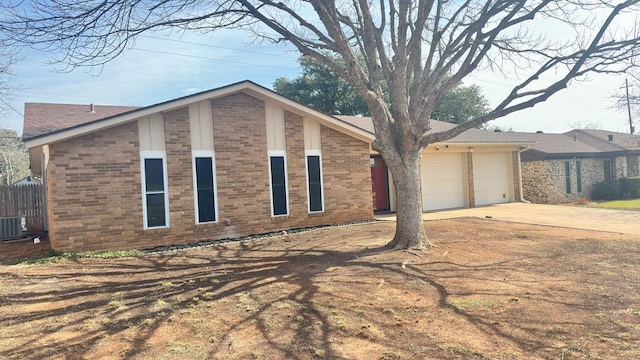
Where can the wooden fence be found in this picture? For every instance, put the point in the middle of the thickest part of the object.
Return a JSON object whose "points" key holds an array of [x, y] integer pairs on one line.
{"points": [[24, 200]]}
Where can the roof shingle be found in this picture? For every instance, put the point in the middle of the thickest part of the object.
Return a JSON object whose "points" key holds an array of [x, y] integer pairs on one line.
{"points": [[572, 142], [45, 118]]}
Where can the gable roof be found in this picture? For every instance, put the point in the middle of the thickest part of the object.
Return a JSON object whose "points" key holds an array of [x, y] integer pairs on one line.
{"points": [[575, 142], [581, 143], [559, 144], [600, 139], [50, 123], [44, 118]]}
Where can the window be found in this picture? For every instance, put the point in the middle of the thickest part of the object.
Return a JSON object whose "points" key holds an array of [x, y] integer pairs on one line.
{"points": [[204, 186], [567, 176], [608, 170], [314, 182], [578, 176], [154, 188], [278, 180]]}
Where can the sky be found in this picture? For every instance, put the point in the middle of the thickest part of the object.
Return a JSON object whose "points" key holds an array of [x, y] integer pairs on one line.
{"points": [[159, 68]]}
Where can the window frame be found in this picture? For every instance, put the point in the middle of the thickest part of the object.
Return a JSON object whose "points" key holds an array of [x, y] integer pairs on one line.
{"points": [[308, 154], [567, 177], [608, 175], [283, 155], [204, 154], [579, 176], [162, 155]]}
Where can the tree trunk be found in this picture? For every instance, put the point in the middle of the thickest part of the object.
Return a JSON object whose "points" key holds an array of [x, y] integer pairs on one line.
{"points": [[410, 232]]}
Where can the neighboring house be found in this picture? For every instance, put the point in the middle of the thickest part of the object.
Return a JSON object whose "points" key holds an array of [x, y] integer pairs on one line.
{"points": [[562, 168], [234, 161], [28, 180]]}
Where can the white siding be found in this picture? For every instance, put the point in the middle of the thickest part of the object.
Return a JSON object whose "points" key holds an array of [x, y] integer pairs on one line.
{"points": [[151, 133], [311, 134], [201, 125], [275, 127]]}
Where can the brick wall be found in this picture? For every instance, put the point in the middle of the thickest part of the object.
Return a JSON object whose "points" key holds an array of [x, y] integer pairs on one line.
{"points": [[470, 181], [11, 251], [95, 191], [347, 177]]}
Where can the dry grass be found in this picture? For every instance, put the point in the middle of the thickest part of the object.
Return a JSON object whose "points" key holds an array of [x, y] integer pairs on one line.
{"points": [[489, 290]]}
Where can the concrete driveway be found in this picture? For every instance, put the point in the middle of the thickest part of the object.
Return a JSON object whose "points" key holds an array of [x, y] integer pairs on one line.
{"points": [[577, 217]]}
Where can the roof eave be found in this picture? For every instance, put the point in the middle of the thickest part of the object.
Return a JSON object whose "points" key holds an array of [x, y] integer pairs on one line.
{"points": [[488, 143]]}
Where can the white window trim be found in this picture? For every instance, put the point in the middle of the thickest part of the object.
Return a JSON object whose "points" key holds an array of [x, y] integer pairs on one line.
{"points": [[317, 153], [204, 154], [154, 155], [279, 153]]}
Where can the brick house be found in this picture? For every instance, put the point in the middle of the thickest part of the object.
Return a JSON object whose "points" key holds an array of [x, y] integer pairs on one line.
{"points": [[234, 161], [212, 165], [562, 168]]}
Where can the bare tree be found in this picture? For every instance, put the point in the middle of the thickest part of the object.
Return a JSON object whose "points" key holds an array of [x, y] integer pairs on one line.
{"points": [[420, 48], [627, 100], [14, 160], [8, 58], [586, 124]]}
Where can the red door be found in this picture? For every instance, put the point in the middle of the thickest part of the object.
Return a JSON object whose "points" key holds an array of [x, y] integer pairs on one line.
{"points": [[379, 184]]}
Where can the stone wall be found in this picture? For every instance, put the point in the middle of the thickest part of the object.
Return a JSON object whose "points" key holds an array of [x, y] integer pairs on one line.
{"points": [[633, 165], [620, 167], [95, 198], [534, 181], [544, 180]]}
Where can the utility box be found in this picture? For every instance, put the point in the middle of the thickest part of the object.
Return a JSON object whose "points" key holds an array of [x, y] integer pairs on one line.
{"points": [[11, 227]]}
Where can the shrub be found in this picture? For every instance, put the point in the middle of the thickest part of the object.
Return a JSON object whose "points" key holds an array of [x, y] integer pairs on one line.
{"points": [[606, 190], [630, 188], [627, 188]]}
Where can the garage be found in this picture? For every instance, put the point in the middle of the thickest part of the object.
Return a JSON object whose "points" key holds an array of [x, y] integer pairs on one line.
{"points": [[491, 178], [442, 181]]}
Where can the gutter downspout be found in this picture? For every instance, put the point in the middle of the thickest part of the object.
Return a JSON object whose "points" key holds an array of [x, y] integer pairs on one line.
{"points": [[522, 199]]}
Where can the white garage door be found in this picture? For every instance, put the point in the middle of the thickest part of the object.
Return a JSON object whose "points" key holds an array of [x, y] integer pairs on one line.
{"points": [[491, 177], [442, 181]]}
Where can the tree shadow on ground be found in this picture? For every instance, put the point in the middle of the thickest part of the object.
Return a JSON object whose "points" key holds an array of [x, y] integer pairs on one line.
{"points": [[297, 297]]}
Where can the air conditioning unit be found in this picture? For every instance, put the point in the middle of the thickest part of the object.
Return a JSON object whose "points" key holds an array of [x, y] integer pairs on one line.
{"points": [[11, 227]]}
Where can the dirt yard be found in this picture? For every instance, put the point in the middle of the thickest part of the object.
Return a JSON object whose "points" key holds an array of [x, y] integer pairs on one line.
{"points": [[488, 290]]}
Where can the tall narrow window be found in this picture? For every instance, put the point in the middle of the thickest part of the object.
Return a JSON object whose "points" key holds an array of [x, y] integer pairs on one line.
{"points": [[154, 181], [314, 181], [608, 170], [567, 176], [578, 176], [278, 177], [204, 186]]}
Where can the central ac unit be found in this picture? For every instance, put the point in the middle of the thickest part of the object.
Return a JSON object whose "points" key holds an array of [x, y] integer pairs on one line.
{"points": [[11, 227]]}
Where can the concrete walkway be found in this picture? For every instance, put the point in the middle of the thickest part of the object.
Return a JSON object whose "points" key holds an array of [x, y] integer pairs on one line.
{"points": [[577, 217]]}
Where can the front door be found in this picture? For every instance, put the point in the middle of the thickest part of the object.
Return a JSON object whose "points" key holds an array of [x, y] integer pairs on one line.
{"points": [[379, 184]]}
